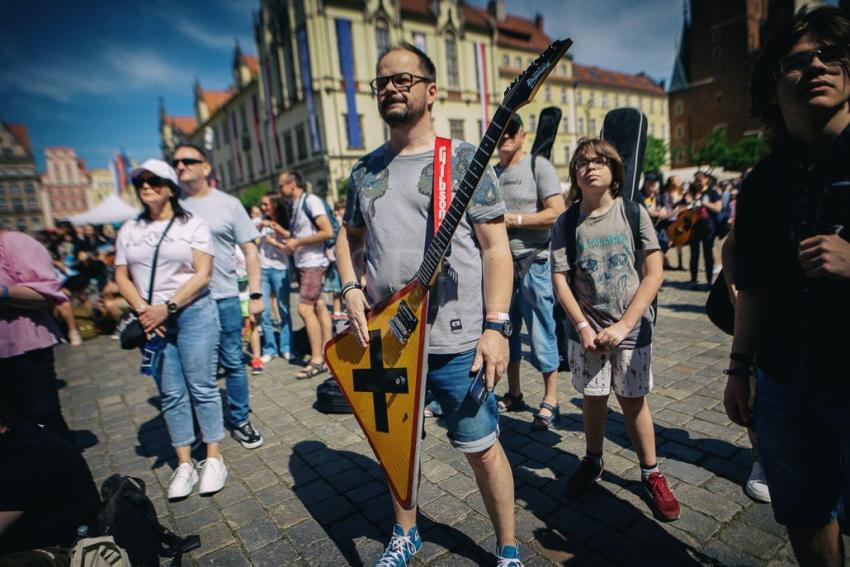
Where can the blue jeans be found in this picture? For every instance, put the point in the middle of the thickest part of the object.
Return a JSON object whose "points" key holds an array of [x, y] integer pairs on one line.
{"points": [[804, 442], [230, 357], [276, 282], [472, 428], [534, 302], [186, 379]]}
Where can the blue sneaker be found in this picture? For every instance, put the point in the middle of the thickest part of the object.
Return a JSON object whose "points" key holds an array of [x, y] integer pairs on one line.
{"points": [[509, 557], [401, 548]]}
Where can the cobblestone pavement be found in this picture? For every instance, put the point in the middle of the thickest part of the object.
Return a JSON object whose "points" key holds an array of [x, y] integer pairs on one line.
{"points": [[314, 495]]}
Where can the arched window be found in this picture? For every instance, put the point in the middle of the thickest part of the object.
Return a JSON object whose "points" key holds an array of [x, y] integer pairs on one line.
{"points": [[451, 61], [382, 36]]}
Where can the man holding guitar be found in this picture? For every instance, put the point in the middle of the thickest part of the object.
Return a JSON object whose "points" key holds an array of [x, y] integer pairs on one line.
{"points": [[390, 216]]}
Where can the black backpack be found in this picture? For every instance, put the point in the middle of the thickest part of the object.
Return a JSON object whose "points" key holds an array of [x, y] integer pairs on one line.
{"points": [[330, 399], [130, 517]]}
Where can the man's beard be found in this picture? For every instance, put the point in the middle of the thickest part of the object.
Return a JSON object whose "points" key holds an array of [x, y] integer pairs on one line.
{"points": [[396, 117]]}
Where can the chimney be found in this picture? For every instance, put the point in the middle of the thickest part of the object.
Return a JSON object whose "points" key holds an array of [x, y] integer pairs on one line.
{"points": [[496, 9], [538, 21]]}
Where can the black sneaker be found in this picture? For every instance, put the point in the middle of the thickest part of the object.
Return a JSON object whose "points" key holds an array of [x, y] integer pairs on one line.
{"points": [[584, 478], [247, 435]]}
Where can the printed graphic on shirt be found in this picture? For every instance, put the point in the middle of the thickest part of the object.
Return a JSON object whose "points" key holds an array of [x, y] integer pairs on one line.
{"points": [[372, 177], [605, 267]]}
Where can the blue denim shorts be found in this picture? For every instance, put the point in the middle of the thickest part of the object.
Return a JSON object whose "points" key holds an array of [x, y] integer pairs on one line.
{"points": [[804, 443], [534, 302], [472, 428]]}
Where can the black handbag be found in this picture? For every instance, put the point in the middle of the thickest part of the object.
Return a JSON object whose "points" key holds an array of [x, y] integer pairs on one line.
{"points": [[130, 332], [719, 307]]}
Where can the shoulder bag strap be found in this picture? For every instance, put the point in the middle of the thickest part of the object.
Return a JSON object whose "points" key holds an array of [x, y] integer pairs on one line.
{"points": [[155, 256]]}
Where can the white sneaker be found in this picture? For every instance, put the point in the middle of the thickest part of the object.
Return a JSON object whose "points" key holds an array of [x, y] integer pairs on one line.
{"points": [[266, 358], [286, 356], [213, 477], [756, 487], [75, 338], [183, 480]]}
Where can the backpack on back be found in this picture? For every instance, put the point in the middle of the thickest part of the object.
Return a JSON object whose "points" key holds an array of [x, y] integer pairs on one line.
{"points": [[331, 217], [129, 516]]}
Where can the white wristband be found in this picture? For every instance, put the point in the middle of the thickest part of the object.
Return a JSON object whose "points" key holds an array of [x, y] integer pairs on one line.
{"points": [[581, 326], [519, 220]]}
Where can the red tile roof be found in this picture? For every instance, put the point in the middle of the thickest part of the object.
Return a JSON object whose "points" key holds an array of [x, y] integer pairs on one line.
{"points": [[252, 64], [476, 17], [599, 76], [185, 124], [216, 99], [20, 132], [521, 33]]}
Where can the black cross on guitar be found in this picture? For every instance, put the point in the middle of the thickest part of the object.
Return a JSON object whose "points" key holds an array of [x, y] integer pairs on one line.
{"points": [[379, 380]]}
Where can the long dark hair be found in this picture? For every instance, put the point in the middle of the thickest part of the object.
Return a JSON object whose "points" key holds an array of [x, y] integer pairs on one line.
{"points": [[178, 209], [826, 26]]}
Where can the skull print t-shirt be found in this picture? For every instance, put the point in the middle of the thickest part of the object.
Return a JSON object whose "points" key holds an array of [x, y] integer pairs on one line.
{"points": [[390, 196], [605, 278]]}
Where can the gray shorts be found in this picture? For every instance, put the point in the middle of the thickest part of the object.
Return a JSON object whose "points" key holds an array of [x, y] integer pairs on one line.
{"points": [[629, 370]]}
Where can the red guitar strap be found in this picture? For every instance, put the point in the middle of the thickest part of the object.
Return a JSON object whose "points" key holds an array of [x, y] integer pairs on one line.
{"points": [[442, 193]]}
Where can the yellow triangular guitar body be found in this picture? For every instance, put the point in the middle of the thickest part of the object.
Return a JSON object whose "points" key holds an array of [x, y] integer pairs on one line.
{"points": [[384, 384]]}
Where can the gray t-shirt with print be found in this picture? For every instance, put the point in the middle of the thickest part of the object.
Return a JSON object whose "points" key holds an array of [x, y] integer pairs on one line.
{"points": [[605, 279], [230, 226], [525, 192], [390, 195]]}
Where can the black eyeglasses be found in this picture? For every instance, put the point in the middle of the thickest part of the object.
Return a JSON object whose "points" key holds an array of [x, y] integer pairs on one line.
{"points": [[829, 55], [154, 181], [401, 81], [186, 161], [597, 163]]}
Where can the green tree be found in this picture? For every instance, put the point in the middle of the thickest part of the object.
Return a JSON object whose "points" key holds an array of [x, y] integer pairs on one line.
{"points": [[656, 154], [252, 195], [718, 152]]}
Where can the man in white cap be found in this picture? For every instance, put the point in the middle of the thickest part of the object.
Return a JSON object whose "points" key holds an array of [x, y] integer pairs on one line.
{"points": [[230, 226]]}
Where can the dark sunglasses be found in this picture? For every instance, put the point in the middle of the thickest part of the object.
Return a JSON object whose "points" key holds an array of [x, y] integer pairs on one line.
{"points": [[401, 81], [153, 181], [186, 161], [829, 55]]}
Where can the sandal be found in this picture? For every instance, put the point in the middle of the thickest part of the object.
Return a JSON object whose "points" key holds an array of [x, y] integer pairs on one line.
{"points": [[311, 370], [542, 422], [510, 402]]}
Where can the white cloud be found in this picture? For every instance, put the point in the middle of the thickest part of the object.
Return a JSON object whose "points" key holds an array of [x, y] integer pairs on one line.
{"points": [[202, 35]]}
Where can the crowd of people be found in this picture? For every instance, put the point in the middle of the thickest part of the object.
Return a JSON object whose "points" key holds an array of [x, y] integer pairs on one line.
{"points": [[520, 249]]}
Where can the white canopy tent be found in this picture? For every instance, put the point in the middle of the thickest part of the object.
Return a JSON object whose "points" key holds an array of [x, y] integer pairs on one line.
{"points": [[113, 209]]}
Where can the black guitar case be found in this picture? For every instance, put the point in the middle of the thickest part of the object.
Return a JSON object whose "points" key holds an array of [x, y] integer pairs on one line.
{"points": [[547, 129], [625, 129]]}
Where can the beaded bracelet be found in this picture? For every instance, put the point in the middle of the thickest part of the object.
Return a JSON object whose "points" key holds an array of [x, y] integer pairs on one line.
{"points": [[348, 286]]}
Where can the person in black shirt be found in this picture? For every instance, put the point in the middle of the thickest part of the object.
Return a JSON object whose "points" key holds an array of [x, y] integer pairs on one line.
{"points": [[792, 272], [703, 192]]}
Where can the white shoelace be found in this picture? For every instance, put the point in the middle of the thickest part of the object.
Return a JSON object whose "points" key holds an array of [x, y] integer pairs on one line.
{"points": [[183, 472], [396, 551], [505, 562]]}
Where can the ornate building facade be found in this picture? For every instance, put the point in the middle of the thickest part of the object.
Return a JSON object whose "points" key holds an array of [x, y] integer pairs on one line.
{"points": [[307, 103], [66, 182], [23, 205]]}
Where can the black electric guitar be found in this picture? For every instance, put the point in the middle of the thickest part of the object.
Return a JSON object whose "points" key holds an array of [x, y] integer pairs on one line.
{"points": [[384, 383]]}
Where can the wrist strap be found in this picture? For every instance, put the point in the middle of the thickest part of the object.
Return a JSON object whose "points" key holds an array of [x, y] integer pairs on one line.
{"points": [[582, 325], [497, 316], [348, 286]]}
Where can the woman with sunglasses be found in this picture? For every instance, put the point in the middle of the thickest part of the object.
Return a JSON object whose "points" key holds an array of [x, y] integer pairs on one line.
{"points": [[181, 312]]}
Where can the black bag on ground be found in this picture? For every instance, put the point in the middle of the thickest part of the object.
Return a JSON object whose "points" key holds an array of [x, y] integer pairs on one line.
{"points": [[130, 517], [330, 399]]}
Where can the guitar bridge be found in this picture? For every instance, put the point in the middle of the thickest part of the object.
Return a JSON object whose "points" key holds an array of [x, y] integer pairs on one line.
{"points": [[404, 322]]}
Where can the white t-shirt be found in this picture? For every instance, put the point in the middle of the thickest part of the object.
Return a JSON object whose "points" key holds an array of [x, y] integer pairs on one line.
{"points": [[310, 255], [135, 247], [272, 257]]}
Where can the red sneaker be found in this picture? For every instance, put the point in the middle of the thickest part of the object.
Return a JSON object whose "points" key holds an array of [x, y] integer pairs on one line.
{"points": [[664, 504], [256, 366]]}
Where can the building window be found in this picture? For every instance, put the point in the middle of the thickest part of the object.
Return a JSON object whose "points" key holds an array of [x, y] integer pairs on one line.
{"points": [[348, 132], [532, 123], [581, 125], [680, 131], [579, 98], [567, 154], [518, 62], [451, 60], [382, 36], [563, 68], [652, 105], [231, 173], [593, 131], [287, 147], [565, 125], [679, 108], [547, 93], [506, 60], [563, 95], [30, 188], [301, 142], [419, 41], [456, 129], [591, 98], [604, 100], [616, 101]]}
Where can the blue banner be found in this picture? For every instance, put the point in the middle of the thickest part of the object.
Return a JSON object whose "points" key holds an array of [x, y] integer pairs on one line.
{"points": [[346, 62], [307, 86]]}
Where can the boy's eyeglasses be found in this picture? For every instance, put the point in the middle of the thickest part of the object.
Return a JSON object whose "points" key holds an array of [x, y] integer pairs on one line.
{"points": [[829, 55], [401, 81], [597, 163]]}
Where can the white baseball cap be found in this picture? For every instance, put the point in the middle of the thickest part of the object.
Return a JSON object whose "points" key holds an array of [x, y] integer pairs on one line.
{"points": [[158, 168]]}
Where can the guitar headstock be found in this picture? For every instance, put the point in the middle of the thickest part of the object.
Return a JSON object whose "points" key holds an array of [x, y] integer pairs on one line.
{"points": [[522, 90]]}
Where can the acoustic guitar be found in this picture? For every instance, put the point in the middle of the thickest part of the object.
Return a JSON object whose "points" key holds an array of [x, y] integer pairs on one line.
{"points": [[384, 383], [681, 231]]}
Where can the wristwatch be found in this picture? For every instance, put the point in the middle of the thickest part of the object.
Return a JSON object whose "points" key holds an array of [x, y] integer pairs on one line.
{"points": [[256, 295], [503, 327], [172, 307]]}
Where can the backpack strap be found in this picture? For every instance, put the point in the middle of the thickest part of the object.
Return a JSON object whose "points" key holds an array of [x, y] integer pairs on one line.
{"points": [[570, 220], [633, 216]]}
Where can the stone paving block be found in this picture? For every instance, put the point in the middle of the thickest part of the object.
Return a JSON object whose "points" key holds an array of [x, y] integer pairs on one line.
{"points": [[193, 523], [573, 523], [677, 451], [685, 472], [760, 516], [727, 555], [313, 492], [360, 494], [459, 485], [230, 556], [289, 513], [243, 512], [280, 552], [707, 502], [306, 533], [257, 534], [697, 524], [727, 469], [750, 539], [436, 470], [328, 511], [325, 553], [436, 541], [475, 526], [612, 545], [446, 509], [190, 505], [213, 537]]}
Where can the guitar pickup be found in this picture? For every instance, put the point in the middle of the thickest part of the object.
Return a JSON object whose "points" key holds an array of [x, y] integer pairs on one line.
{"points": [[404, 322]]}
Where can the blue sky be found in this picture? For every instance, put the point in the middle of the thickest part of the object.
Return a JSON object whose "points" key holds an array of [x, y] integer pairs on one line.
{"points": [[88, 74]]}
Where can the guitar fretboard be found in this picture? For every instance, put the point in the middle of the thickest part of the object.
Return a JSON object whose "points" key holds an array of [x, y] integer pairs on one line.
{"points": [[440, 243]]}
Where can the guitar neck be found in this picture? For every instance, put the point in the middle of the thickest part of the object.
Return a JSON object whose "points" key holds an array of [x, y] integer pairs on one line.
{"points": [[443, 237]]}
